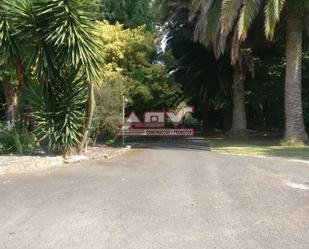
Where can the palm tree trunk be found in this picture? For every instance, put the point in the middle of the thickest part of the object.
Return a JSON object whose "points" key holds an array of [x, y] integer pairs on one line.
{"points": [[12, 93], [12, 100], [294, 124], [88, 121], [239, 122]]}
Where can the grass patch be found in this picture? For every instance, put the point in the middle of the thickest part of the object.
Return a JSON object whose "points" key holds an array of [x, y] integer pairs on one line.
{"points": [[259, 148]]}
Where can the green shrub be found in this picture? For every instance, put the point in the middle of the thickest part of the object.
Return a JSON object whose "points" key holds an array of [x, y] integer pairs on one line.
{"points": [[15, 141], [58, 112]]}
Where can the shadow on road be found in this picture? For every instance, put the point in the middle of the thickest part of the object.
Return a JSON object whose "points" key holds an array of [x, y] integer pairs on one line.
{"points": [[189, 144]]}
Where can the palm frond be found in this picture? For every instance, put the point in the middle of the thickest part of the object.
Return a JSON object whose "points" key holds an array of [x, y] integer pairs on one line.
{"points": [[199, 7], [273, 10], [229, 14], [72, 32], [8, 44], [212, 18], [248, 12], [205, 12], [58, 110], [235, 49], [36, 54], [167, 10]]}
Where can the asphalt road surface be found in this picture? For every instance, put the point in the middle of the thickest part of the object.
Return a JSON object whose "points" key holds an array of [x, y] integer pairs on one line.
{"points": [[159, 198]]}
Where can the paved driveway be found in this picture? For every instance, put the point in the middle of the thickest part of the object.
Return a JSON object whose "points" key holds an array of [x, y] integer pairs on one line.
{"points": [[160, 197]]}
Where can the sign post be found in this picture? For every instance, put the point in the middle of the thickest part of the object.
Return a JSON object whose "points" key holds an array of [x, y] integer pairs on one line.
{"points": [[124, 100]]}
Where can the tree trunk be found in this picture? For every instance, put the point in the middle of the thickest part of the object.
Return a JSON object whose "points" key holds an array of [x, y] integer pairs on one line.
{"points": [[12, 93], [205, 113], [12, 100], [88, 121], [239, 122], [95, 138], [294, 123], [20, 72]]}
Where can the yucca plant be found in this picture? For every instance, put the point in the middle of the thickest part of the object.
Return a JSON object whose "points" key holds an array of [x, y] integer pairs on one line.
{"points": [[72, 36], [11, 57], [58, 111], [56, 38]]}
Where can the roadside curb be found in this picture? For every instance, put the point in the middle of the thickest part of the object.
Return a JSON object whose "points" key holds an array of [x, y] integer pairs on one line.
{"points": [[24, 164], [113, 155], [82, 158], [34, 164]]}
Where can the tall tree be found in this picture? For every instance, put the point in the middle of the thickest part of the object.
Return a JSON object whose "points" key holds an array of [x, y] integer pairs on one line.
{"points": [[293, 12], [205, 14], [12, 58]]}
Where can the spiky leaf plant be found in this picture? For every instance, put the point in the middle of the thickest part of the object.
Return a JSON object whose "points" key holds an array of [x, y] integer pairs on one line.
{"points": [[58, 111]]}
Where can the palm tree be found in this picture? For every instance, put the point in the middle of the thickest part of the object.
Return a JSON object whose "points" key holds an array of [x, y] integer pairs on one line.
{"points": [[11, 52], [217, 19], [242, 13], [206, 16], [48, 39]]}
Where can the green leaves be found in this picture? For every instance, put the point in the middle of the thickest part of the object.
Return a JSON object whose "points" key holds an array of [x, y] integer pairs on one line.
{"points": [[273, 10], [206, 14], [248, 12], [15, 141], [130, 13], [52, 43], [55, 32], [71, 33], [229, 14], [132, 68], [58, 111], [8, 43], [212, 18]]}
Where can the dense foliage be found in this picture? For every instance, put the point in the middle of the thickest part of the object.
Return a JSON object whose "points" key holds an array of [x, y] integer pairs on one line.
{"points": [[130, 13], [224, 27], [51, 58], [16, 140], [132, 68]]}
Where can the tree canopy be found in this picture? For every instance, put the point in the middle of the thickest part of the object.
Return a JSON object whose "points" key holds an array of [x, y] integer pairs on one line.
{"points": [[131, 13]]}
